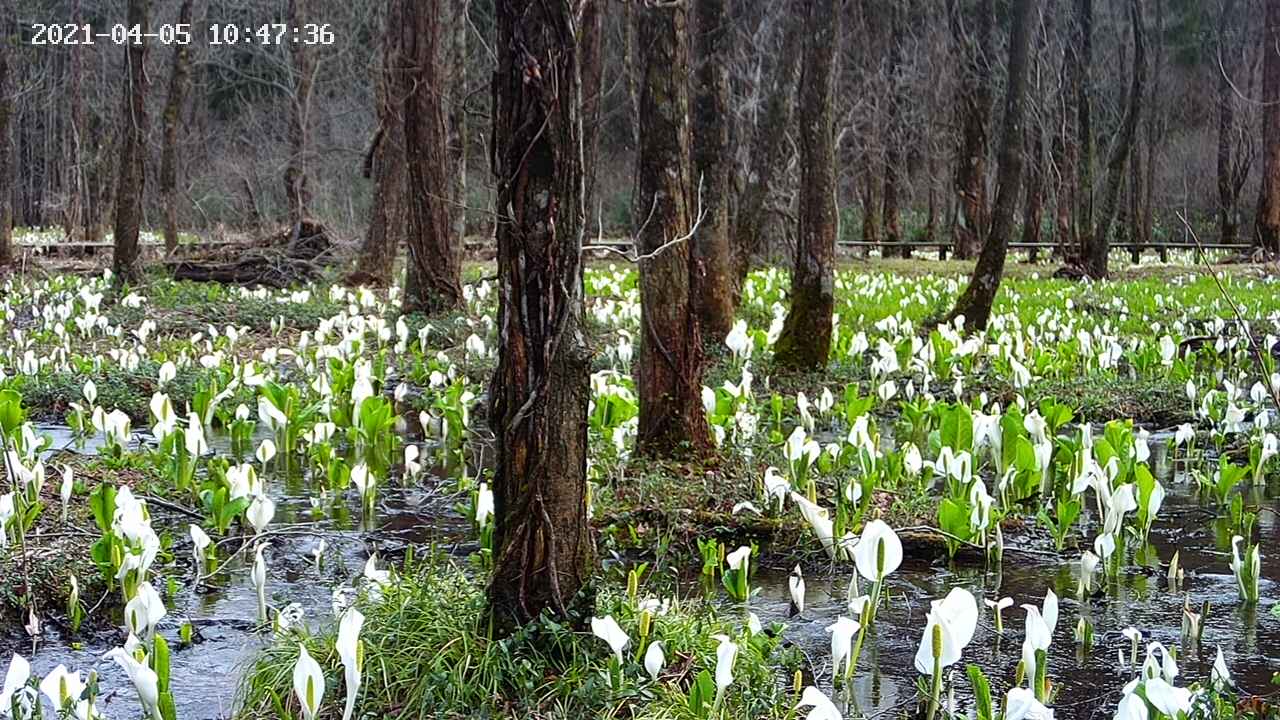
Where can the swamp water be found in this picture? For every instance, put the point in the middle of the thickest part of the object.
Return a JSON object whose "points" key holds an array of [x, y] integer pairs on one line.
{"points": [[205, 675]]}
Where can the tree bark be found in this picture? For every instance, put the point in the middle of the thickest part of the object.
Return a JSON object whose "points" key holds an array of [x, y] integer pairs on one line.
{"points": [[433, 279], [1099, 247], [769, 148], [179, 79], [458, 121], [131, 178], [1267, 221], [1033, 216], [6, 162], [592, 71], [975, 304], [972, 29], [895, 242], [670, 368], [543, 555], [74, 217], [296, 182], [805, 341], [1083, 68], [713, 165], [385, 162]]}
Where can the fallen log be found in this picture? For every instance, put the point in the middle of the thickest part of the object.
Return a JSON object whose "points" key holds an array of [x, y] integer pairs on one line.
{"points": [[278, 261]]}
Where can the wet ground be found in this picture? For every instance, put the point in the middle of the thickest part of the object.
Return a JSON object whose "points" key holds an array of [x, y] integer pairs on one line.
{"points": [[223, 610]]}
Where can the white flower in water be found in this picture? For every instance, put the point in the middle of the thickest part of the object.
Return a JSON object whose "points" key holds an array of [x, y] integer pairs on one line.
{"points": [[260, 512], [842, 632], [607, 629], [654, 660], [950, 627], [168, 371], [352, 657], [266, 451], [795, 583], [776, 486], [738, 559], [878, 552], [484, 505], [411, 465], [259, 577], [1169, 700], [726, 653], [308, 683], [63, 689], [1132, 707], [200, 543], [144, 611], [143, 678], [823, 708], [1021, 704], [64, 490], [15, 678], [1219, 676]]}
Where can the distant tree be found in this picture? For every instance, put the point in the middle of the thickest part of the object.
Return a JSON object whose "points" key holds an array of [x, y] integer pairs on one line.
{"points": [[805, 341], [433, 280], [131, 179], [1098, 245], [975, 303], [712, 165], [6, 162], [543, 555], [894, 170], [670, 363], [1233, 160], [296, 183], [1267, 224], [384, 163], [179, 79], [971, 27], [770, 148]]}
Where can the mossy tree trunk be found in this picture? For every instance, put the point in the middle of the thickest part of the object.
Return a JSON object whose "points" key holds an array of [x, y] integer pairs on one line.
{"points": [[296, 182], [975, 303], [543, 556], [712, 166], [385, 162], [1267, 222], [769, 148], [179, 80], [131, 178], [805, 341], [971, 24], [433, 279], [670, 364]]}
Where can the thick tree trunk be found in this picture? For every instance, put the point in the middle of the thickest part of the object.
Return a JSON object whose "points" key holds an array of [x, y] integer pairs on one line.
{"points": [[433, 279], [385, 162], [805, 341], [6, 152], [1099, 247], [712, 167], [975, 304], [972, 29], [296, 182], [179, 79], [670, 368], [132, 171], [1267, 222], [543, 556], [769, 147]]}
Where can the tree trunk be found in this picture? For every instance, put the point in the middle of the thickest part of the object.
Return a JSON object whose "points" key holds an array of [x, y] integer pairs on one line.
{"points": [[805, 341], [1033, 216], [433, 279], [458, 118], [6, 162], [972, 29], [385, 162], [769, 147], [74, 217], [975, 304], [670, 368], [713, 165], [132, 171], [1084, 124], [1099, 247], [1267, 223], [543, 556], [592, 70], [870, 206], [295, 174], [179, 79], [895, 136]]}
